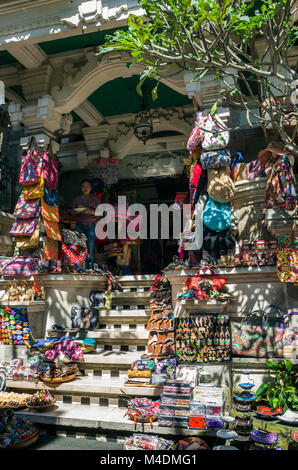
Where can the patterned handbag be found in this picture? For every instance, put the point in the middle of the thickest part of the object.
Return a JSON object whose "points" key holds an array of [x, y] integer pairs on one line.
{"points": [[217, 216], [34, 191], [50, 213], [254, 336], [215, 158], [31, 168], [52, 230], [51, 249], [23, 227], [50, 170], [50, 196], [216, 135], [26, 209], [27, 243], [21, 266]]}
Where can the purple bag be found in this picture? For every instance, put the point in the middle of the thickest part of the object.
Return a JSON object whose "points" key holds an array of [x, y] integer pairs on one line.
{"points": [[26, 209], [255, 169], [21, 266], [23, 227]]}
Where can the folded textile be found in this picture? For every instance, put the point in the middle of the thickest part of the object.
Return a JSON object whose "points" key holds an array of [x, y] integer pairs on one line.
{"points": [[139, 373]]}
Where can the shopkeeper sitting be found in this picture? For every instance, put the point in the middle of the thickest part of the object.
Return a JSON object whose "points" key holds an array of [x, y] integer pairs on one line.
{"points": [[84, 207]]}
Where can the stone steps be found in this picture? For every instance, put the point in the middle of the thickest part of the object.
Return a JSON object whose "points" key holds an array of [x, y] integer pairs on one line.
{"points": [[88, 390], [102, 419]]}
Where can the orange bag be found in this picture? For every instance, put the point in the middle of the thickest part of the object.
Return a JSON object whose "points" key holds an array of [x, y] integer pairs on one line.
{"points": [[52, 230], [217, 281]]}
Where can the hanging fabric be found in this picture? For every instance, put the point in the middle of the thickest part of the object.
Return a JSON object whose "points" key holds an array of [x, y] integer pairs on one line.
{"points": [[50, 169]]}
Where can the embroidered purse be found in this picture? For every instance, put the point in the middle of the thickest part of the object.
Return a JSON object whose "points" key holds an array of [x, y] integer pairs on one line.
{"points": [[34, 191], [74, 253], [106, 169], [23, 227], [255, 169], [287, 258], [26, 209], [74, 238], [197, 134], [217, 282], [238, 168]]}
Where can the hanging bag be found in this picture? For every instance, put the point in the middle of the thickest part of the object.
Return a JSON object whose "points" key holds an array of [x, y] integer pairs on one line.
{"points": [[216, 135], [238, 168], [255, 335], [217, 216], [49, 212], [220, 186], [51, 249], [26, 209], [255, 169], [50, 196], [74, 238], [34, 191], [31, 166], [52, 229], [50, 169], [280, 187], [287, 258], [286, 341], [218, 282], [23, 227], [27, 243]]}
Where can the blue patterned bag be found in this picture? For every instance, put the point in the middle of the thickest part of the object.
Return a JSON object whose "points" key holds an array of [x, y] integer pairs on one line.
{"points": [[217, 216]]}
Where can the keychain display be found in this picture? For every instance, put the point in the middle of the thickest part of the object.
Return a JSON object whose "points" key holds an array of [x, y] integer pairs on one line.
{"points": [[203, 338], [14, 326]]}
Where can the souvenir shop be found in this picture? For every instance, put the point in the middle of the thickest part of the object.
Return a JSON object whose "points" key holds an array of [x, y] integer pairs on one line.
{"points": [[201, 318]]}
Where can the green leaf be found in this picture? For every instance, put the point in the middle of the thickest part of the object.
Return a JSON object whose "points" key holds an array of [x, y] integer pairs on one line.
{"points": [[139, 87], [275, 403], [262, 389], [273, 365], [288, 365], [134, 20], [213, 109], [154, 92]]}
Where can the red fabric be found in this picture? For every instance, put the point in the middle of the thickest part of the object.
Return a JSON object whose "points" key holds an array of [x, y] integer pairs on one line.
{"points": [[196, 173]]}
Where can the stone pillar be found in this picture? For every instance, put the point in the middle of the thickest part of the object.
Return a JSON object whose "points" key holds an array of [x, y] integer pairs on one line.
{"points": [[6, 241]]}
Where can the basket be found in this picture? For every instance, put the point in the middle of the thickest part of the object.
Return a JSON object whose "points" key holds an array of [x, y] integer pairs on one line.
{"points": [[26, 442], [42, 407], [58, 380]]}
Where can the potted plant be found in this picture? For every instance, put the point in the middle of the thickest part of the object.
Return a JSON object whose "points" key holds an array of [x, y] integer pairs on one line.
{"points": [[282, 393]]}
